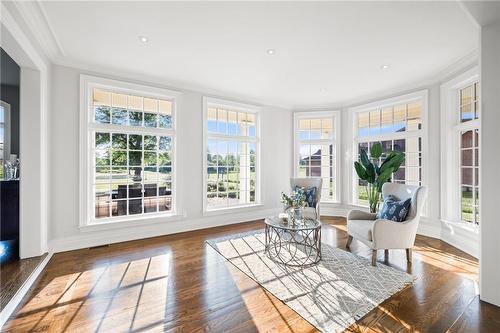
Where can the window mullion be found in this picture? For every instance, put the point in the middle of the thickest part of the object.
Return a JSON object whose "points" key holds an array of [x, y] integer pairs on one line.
{"points": [[130, 129], [389, 136], [143, 205], [463, 126], [229, 128], [315, 126], [398, 127]]}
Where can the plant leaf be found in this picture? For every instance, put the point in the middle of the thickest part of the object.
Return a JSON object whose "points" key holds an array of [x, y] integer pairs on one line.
{"points": [[360, 170], [398, 161], [384, 177], [370, 173], [376, 150], [394, 160], [364, 159]]}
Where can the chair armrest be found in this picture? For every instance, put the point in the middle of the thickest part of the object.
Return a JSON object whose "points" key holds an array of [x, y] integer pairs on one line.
{"points": [[360, 215]]}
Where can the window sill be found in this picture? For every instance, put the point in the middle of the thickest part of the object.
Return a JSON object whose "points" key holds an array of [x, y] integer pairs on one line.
{"points": [[329, 202], [357, 206], [139, 221], [465, 226], [230, 210]]}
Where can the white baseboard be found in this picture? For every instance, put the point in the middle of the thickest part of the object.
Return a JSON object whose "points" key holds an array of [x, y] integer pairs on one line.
{"points": [[333, 210], [460, 237], [452, 234], [103, 237], [429, 228], [18, 297]]}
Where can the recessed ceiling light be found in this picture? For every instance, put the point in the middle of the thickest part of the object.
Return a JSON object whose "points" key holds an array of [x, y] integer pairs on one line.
{"points": [[271, 51], [144, 39], [384, 67]]}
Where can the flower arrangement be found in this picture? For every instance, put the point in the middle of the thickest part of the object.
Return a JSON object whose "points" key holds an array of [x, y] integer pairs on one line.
{"points": [[294, 204], [297, 199]]}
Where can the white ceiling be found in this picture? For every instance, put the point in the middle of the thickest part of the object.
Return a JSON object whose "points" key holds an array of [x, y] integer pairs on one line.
{"points": [[326, 52]]}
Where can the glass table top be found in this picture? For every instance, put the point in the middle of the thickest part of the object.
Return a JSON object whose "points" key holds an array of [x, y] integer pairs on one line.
{"points": [[304, 224]]}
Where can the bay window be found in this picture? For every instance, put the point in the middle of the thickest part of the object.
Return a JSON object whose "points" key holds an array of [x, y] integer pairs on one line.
{"points": [[460, 149], [468, 131], [231, 156], [317, 150], [128, 150], [398, 124]]}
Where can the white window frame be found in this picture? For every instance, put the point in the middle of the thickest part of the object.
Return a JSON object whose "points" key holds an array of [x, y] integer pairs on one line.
{"points": [[418, 96], [451, 127], [335, 141], [6, 132], [87, 125], [233, 106]]}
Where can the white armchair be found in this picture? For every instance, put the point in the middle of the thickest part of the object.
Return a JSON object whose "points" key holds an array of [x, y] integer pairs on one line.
{"points": [[308, 183], [385, 234]]}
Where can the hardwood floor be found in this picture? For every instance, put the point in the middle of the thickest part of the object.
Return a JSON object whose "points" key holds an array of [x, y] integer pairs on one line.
{"points": [[178, 283], [13, 274]]}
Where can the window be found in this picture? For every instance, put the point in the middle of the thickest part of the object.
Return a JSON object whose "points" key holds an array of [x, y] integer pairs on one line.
{"points": [[316, 149], [469, 152], [231, 155], [469, 102], [130, 136], [398, 125], [460, 149], [4, 136]]}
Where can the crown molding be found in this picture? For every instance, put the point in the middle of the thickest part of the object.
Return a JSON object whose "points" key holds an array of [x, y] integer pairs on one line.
{"points": [[17, 43], [147, 79], [36, 20], [445, 74]]}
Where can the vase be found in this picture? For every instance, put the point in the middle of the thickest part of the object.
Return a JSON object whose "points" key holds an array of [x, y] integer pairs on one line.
{"points": [[295, 215]]}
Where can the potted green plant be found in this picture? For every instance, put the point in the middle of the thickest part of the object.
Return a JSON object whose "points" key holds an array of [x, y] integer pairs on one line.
{"points": [[294, 203], [375, 174]]}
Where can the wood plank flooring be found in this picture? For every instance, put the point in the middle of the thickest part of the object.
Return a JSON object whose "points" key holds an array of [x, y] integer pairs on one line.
{"points": [[14, 274], [177, 283]]}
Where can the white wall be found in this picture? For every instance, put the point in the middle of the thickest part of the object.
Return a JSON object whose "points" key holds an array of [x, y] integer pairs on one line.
{"points": [[34, 105], [33, 213], [431, 224], [490, 160], [276, 150]]}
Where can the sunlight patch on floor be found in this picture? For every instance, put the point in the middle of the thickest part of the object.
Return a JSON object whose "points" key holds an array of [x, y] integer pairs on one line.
{"points": [[113, 297]]}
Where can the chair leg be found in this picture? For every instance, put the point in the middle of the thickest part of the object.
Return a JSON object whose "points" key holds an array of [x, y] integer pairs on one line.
{"points": [[349, 241], [374, 257], [386, 254], [409, 256]]}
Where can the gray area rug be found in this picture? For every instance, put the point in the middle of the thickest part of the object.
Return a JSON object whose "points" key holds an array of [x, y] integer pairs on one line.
{"points": [[332, 295]]}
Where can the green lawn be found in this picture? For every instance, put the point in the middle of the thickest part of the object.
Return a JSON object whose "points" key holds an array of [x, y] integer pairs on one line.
{"points": [[232, 176], [232, 179], [468, 207], [102, 180], [362, 195]]}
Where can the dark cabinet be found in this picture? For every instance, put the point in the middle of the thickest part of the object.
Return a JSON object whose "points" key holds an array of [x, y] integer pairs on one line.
{"points": [[9, 217]]}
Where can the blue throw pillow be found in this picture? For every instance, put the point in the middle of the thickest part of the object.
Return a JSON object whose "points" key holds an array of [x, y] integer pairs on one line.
{"points": [[394, 210], [310, 194]]}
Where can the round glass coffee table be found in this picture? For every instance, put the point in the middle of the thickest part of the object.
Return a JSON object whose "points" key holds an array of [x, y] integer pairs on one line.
{"points": [[297, 244]]}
